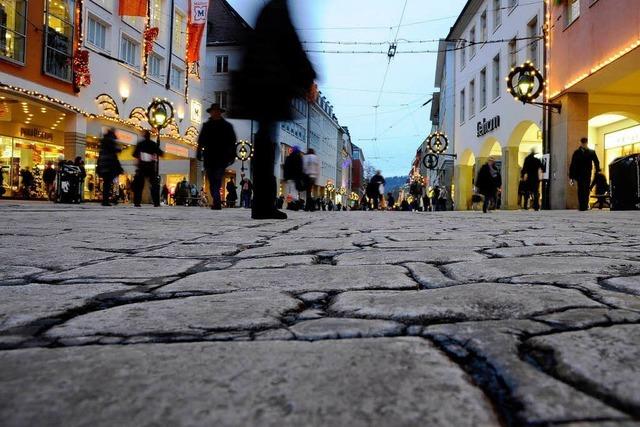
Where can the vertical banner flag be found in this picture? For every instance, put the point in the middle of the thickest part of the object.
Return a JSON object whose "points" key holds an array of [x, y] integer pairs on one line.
{"points": [[195, 28], [133, 8]]}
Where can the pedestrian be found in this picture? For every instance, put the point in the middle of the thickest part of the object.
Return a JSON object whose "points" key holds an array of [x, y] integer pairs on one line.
{"points": [[489, 182], [246, 189], [293, 174], [531, 171], [232, 193], [375, 189], [580, 171], [148, 154], [108, 166], [27, 182], [275, 71], [79, 163], [49, 178], [216, 145], [435, 197], [602, 188], [405, 206], [311, 170], [164, 194], [390, 201], [442, 199]]}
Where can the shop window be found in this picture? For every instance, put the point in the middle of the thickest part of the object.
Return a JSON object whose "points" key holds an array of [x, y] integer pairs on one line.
{"points": [[12, 29], [58, 37], [129, 51], [97, 33]]}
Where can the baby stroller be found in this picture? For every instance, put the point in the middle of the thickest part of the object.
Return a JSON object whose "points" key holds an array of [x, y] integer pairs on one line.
{"points": [[68, 189]]}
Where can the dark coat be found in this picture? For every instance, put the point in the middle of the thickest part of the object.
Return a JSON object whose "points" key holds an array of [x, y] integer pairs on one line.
{"points": [[531, 168], [292, 168], [600, 183], [487, 183], [275, 71], [49, 175], [249, 189], [108, 164], [232, 194], [581, 164], [151, 148], [217, 144]]}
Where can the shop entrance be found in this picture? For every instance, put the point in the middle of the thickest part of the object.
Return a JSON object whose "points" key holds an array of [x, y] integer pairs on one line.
{"points": [[525, 138]]}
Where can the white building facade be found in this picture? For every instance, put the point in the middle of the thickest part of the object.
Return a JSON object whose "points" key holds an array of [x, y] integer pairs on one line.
{"points": [[489, 38]]}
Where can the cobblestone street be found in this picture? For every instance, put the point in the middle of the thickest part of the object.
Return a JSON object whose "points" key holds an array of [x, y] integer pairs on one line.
{"points": [[186, 316]]}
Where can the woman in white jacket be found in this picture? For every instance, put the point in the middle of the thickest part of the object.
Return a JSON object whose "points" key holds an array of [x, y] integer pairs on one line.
{"points": [[311, 170]]}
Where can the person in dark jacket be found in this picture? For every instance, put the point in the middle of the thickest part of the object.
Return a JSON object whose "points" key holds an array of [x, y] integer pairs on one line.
{"points": [[49, 179], [217, 146], [275, 71], [580, 171], [148, 154], [108, 166], [374, 190], [83, 175], [602, 188], [246, 189], [489, 181], [232, 194], [531, 174], [27, 182], [391, 201]]}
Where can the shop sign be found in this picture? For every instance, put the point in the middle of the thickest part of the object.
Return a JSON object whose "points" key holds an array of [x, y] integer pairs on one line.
{"points": [[196, 111], [486, 126], [36, 133], [122, 136], [176, 150], [622, 137]]}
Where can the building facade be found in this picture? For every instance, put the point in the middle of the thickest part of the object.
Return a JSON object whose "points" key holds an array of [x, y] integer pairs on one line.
{"points": [[49, 110], [489, 38], [593, 71]]}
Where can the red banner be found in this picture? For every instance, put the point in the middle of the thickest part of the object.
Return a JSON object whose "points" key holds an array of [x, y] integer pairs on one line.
{"points": [[196, 27], [133, 7]]}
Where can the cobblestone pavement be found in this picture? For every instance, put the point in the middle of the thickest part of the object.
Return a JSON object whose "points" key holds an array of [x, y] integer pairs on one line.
{"points": [[185, 316]]}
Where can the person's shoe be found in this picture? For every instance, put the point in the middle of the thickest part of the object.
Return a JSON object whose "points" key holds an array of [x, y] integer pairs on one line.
{"points": [[216, 207], [106, 204], [138, 205], [155, 206], [274, 214]]}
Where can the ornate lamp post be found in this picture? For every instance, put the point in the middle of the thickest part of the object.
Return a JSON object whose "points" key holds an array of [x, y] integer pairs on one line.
{"points": [[244, 152], [525, 83], [159, 115]]}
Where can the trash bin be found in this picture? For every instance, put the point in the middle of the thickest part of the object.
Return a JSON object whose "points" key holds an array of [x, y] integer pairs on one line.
{"points": [[68, 187], [624, 174]]}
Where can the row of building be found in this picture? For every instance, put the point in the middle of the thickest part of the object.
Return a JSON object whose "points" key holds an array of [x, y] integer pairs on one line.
{"points": [[71, 69], [588, 53]]}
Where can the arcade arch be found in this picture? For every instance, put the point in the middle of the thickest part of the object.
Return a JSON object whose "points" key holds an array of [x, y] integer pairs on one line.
{"points": [[464, 177]]}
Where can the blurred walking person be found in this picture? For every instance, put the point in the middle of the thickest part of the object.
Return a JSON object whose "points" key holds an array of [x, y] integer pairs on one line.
{"points": [[108, 166], [232, 193], [246, 189], [311, 170], [148, 154], [275, 71], [489, 182], [375, 189], [602, 188], [49, 178], [217, 146], [580, 171], [531, 170]]}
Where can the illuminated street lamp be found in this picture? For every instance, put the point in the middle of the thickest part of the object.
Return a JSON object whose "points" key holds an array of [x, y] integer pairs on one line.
{"points": [[525, 83], [244, 152], [159, 115]]}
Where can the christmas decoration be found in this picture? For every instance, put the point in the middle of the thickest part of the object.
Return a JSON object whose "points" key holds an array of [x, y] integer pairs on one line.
{"points": [[82, 75], [150, 36]]}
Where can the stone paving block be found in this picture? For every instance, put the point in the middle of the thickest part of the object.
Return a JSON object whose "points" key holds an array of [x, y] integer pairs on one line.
{"points": [[323, 278], [603, 361], [500, 268], [402, 381], [188, 316], [12, 274], [334, 328], [481, 301], [430, 276], [125, 268], [274, 262], [531, 397], [378, 256], [190, 250], [581, 318], [629, 284], [22, 305]]}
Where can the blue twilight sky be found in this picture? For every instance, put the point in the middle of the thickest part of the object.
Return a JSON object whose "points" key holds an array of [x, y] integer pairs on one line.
{"points": [[352, 82]]}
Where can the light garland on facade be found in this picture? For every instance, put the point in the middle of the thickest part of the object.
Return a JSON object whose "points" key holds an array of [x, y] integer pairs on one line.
{"points": [[66, 105]]}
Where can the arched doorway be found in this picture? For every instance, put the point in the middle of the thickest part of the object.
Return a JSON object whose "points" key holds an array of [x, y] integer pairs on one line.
{"points": [[614, 134], [463, 180], [525, 138]]}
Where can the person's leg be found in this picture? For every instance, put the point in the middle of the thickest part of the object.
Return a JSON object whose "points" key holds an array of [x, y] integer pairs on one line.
{"points": [[107, 180], [215, 181], [583, 195], [265, 189], [485, 203], [536, 198], [138, 186], [154, 184]]}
